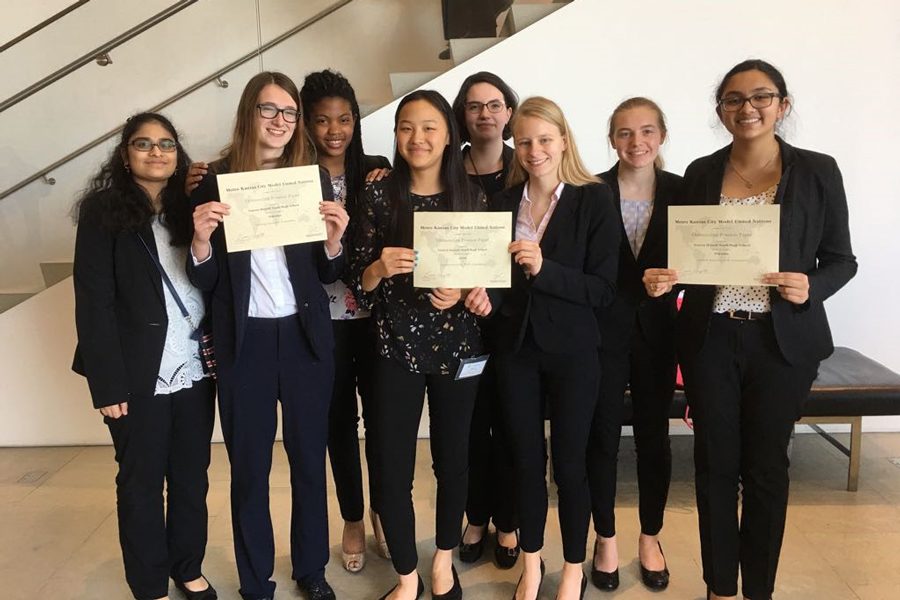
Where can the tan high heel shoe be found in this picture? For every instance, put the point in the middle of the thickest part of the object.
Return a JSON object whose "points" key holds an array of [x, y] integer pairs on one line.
{"points": [[354, 561], [381, 547]]}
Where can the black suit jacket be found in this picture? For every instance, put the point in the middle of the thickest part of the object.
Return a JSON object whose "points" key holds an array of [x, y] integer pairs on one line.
{"points": [[655, 317], [227, 277], [814, 239], [580, 255], [120, 312]]}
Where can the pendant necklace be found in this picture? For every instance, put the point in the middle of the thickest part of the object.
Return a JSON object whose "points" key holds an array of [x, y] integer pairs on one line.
{"points": [[747, 183]]}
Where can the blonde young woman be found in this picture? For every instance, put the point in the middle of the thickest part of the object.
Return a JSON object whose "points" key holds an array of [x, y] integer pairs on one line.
{"points": [[565, 254]]}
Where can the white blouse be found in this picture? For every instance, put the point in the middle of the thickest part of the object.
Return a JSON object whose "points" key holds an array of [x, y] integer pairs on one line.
{"points": [[180, 365]]}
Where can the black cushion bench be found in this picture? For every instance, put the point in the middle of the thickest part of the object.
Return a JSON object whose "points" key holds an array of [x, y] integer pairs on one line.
{"points": [[849, 386]]}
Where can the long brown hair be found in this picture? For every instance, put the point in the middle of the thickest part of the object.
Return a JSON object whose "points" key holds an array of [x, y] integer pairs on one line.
{"points": [[240, 154], [571, 168], [641, 102]]}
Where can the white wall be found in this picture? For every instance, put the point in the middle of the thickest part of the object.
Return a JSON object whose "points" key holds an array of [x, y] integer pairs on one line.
{"points": [[838, 61]]}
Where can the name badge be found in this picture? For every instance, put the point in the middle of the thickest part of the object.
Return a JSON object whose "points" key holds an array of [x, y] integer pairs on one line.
{"points": [[471, 367]]}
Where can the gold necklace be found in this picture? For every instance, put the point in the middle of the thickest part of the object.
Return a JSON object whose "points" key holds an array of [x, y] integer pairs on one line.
{"points": [[747, 183]]}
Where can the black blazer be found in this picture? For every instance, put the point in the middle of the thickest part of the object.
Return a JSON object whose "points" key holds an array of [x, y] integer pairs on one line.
{"points": [[814, 239], [655, 317], [580, 252], [227, 277], [120, 312]]}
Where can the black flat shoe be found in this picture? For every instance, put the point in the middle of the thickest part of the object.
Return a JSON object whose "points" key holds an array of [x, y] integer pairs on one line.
{"points": [[455, 592], [208, 594], [601, 579], [540, 583], [656, 580], [316, 590], [469, 553], [504, 557], [419, 591]]}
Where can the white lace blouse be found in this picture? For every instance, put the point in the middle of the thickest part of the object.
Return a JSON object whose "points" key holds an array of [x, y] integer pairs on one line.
{"points": [[180, 365]]}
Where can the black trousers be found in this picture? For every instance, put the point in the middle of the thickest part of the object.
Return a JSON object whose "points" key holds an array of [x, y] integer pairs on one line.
{"points": [[354, 354], [569, 385], [491, 480], [744, 399], [163, 440], [650, 373], [471, 18], [399, 395], [276, 363]]}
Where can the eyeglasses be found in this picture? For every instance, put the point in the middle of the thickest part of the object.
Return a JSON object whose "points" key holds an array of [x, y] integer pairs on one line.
{"points": [[493, 106], [143, 144], [270, 111], [736, 103]]}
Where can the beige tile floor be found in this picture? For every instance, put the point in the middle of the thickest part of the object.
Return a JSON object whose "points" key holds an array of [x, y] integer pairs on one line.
{"points": [[58, 535]]}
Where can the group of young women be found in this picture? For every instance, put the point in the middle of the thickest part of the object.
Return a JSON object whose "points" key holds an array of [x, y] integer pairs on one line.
{"points": [[590, 313]]}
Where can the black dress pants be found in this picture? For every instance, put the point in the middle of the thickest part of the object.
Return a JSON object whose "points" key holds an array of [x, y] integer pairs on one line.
{"points": [[491, 480], [650, 373], [568, 382], [399, 395], [354, 354], [163, 440], [276, 363], [744, 398]]}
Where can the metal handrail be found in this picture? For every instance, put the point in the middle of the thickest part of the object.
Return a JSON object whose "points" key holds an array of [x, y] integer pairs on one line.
{"points": [[93, 54], [189, 90], [42, 24]]}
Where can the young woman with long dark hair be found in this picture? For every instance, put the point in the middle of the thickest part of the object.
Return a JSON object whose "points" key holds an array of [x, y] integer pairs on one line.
{"points": [[141, 357]]}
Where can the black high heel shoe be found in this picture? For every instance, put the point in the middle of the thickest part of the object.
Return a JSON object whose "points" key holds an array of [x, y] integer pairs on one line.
{"points": [[656, 580], [506, 557], [602, 580], [469, 553], [455, 592], [540, 583], [419, 591]]}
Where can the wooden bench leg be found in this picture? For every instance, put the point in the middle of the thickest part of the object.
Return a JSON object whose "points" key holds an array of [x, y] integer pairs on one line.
{"points": [[855, 452]]}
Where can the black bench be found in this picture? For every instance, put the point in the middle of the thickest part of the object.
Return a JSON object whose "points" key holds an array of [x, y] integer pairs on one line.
{"points": [[850, 386]]}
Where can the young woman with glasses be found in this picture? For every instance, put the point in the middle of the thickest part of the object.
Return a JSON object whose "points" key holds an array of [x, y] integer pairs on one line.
{"points": [[331, 115], [749, 354], [565, 253], [422, 335], [274, 342], [483, 108], [638, 350], [141, 357]]}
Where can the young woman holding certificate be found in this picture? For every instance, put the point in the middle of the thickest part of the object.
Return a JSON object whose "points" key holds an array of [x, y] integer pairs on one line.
{"points": [[422, 336], [138, 350], [566, 250], [331, 115], [750, 354], [638, 350], [483, 108], [274, 342]]}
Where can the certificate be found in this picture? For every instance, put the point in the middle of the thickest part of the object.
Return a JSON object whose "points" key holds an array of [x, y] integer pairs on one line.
{"points": [[723, 245], [272, 207], [462, 249]]}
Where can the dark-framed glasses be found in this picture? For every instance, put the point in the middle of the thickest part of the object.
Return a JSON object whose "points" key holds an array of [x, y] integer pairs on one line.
{"points": [[759, 100], [493, 106], [270, 111], [143, 144]]}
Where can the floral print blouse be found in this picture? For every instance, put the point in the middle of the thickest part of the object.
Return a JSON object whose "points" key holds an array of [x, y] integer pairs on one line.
{"points": [[408, 328], [341, 301]]}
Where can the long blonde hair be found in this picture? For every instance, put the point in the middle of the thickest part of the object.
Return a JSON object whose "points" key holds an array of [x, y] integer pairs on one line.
{"points": [[240, 154], [571, 168]]}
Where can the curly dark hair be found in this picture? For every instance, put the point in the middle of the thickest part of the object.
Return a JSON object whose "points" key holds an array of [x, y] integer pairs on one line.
{"points": [[331, 84], [120, 204]]}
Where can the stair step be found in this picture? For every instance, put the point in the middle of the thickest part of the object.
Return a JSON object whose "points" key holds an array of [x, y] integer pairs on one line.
{"points": [[54, 272], [7, 301], [462, 49], [406, 81], [521, 16]]}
